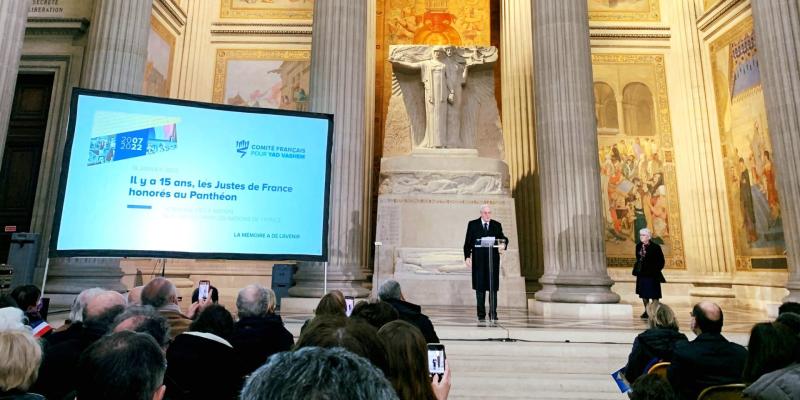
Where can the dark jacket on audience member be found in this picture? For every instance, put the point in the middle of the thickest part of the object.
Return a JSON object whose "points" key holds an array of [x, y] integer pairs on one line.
{"points": [[201, 367], [709, 360], [412, 314], [654, 344], [254, 339], [57, 374], [72, 332], [783, 384]]}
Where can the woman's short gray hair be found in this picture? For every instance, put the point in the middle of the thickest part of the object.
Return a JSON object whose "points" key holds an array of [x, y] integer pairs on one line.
{"points": [[645, 231]]}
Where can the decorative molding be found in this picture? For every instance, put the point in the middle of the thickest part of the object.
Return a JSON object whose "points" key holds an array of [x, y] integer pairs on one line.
{"points": [[653, 14], [716, 12], [38, 26], [424, 182], [227, 10], [175, 11]]}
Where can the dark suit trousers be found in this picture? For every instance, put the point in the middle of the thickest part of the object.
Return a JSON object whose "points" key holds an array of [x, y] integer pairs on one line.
{"points": [[480, 296]]}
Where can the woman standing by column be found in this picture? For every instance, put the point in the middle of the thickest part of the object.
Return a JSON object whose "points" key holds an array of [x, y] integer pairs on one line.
{"points": [[649, 263]]}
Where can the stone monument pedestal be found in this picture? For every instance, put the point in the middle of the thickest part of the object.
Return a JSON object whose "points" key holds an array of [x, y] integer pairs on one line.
{"points": [[425, 201]]}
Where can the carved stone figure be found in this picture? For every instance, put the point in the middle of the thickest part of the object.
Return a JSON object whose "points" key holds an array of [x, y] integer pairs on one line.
{"points": [[443, 72]]}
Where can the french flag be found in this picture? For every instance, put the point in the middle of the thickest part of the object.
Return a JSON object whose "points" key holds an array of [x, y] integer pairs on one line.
{"points": [[41, 328]]}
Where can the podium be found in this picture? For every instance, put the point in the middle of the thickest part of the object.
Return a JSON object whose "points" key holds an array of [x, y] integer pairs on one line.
{"points": [[489, 243]]}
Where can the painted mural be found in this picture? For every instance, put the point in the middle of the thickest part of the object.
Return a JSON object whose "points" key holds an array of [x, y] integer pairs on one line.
{"points": [[747, 150], [624, 10], [637, 169], [158, 66], [263, 78], [266, 9]]}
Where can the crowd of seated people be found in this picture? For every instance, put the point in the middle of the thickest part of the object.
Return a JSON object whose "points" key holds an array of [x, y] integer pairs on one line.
{"points": [[768, 369], [144, 346]]}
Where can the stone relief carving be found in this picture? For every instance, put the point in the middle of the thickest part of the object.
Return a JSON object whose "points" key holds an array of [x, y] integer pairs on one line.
{"points": [[439, 183], [443, 114], [430, 261]]}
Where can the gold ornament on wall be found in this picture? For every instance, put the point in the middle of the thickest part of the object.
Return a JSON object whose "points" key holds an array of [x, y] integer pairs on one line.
{"points": [[266, 9], [625, 10]]}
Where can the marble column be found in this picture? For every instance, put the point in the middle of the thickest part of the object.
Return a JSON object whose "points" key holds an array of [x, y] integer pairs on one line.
{"points": [[193, 67], [117, 48], [566, 144], [518, 128], [777, 30], [338, 84], [115, 61], [13, 17]]}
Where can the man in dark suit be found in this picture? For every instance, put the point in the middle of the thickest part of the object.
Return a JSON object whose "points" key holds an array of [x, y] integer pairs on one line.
{"points": [[478, 260], [709, 359]]}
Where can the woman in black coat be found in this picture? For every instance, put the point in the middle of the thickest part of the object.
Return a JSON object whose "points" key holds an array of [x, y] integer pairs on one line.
{"points": [[649, 263], [656, 343]]}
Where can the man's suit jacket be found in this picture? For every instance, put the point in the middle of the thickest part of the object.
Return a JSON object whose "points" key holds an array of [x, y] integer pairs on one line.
{"points": [[480, 257], [709, 360]]}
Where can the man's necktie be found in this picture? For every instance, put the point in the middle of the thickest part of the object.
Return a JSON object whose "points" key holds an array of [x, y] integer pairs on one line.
{"points": [[486, 226]]}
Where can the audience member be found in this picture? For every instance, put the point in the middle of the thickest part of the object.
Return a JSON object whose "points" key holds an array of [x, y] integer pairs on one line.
{"points": [[390, 292], [12, 318], [58, 373], [201, 362], [19, 364], [7, 301], [144, 319], [214, 295], [789, 306], [709, 359], [656, 343], [259, 333], [318, 373], [772, 346], [162, 295], [375, 312], [408, 363], [28, 298], [135, 296], [791, 321], [331, 304], [354, 335], [651, 387], [72, 327], [122, 366]]}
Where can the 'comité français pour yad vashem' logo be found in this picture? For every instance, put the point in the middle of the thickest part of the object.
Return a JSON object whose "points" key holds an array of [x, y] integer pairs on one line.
{"points": [[242, 146]]}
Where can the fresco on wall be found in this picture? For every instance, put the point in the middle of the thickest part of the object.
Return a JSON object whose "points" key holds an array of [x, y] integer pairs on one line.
{"points": [[637, 169], [624, 10], [747, 150], [266, 9], [158, 67], [263, 78]]}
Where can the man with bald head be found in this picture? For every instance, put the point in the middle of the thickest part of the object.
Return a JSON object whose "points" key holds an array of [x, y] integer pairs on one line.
{"points": [[259, 333], [58, 373], [709, 359], [162, 295]]}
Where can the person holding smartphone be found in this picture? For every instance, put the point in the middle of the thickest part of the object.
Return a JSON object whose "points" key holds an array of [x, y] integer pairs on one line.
{"points": [[416, 370]]}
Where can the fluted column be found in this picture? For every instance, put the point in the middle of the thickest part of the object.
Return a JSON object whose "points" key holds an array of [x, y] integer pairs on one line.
{"points": [[196, 53], [117, 48], [566, 133], [518, 128], [777, 30], [338, 83], [13, 17]]}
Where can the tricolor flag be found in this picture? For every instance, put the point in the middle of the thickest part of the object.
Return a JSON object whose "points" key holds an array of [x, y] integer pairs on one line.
{"points": [[40, 328]]}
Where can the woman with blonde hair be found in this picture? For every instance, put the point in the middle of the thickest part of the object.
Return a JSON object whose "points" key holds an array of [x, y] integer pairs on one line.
{"points": [[407, 353], [656, 343], [19, 365]]}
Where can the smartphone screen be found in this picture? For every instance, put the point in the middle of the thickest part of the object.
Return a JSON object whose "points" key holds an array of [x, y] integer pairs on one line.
{"points": [[349, 303], [436, 358], [202, 292]]}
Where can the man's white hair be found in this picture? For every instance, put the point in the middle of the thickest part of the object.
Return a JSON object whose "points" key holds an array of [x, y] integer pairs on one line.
{"points": [[645, 231], [485, 206], [80, 302]]}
